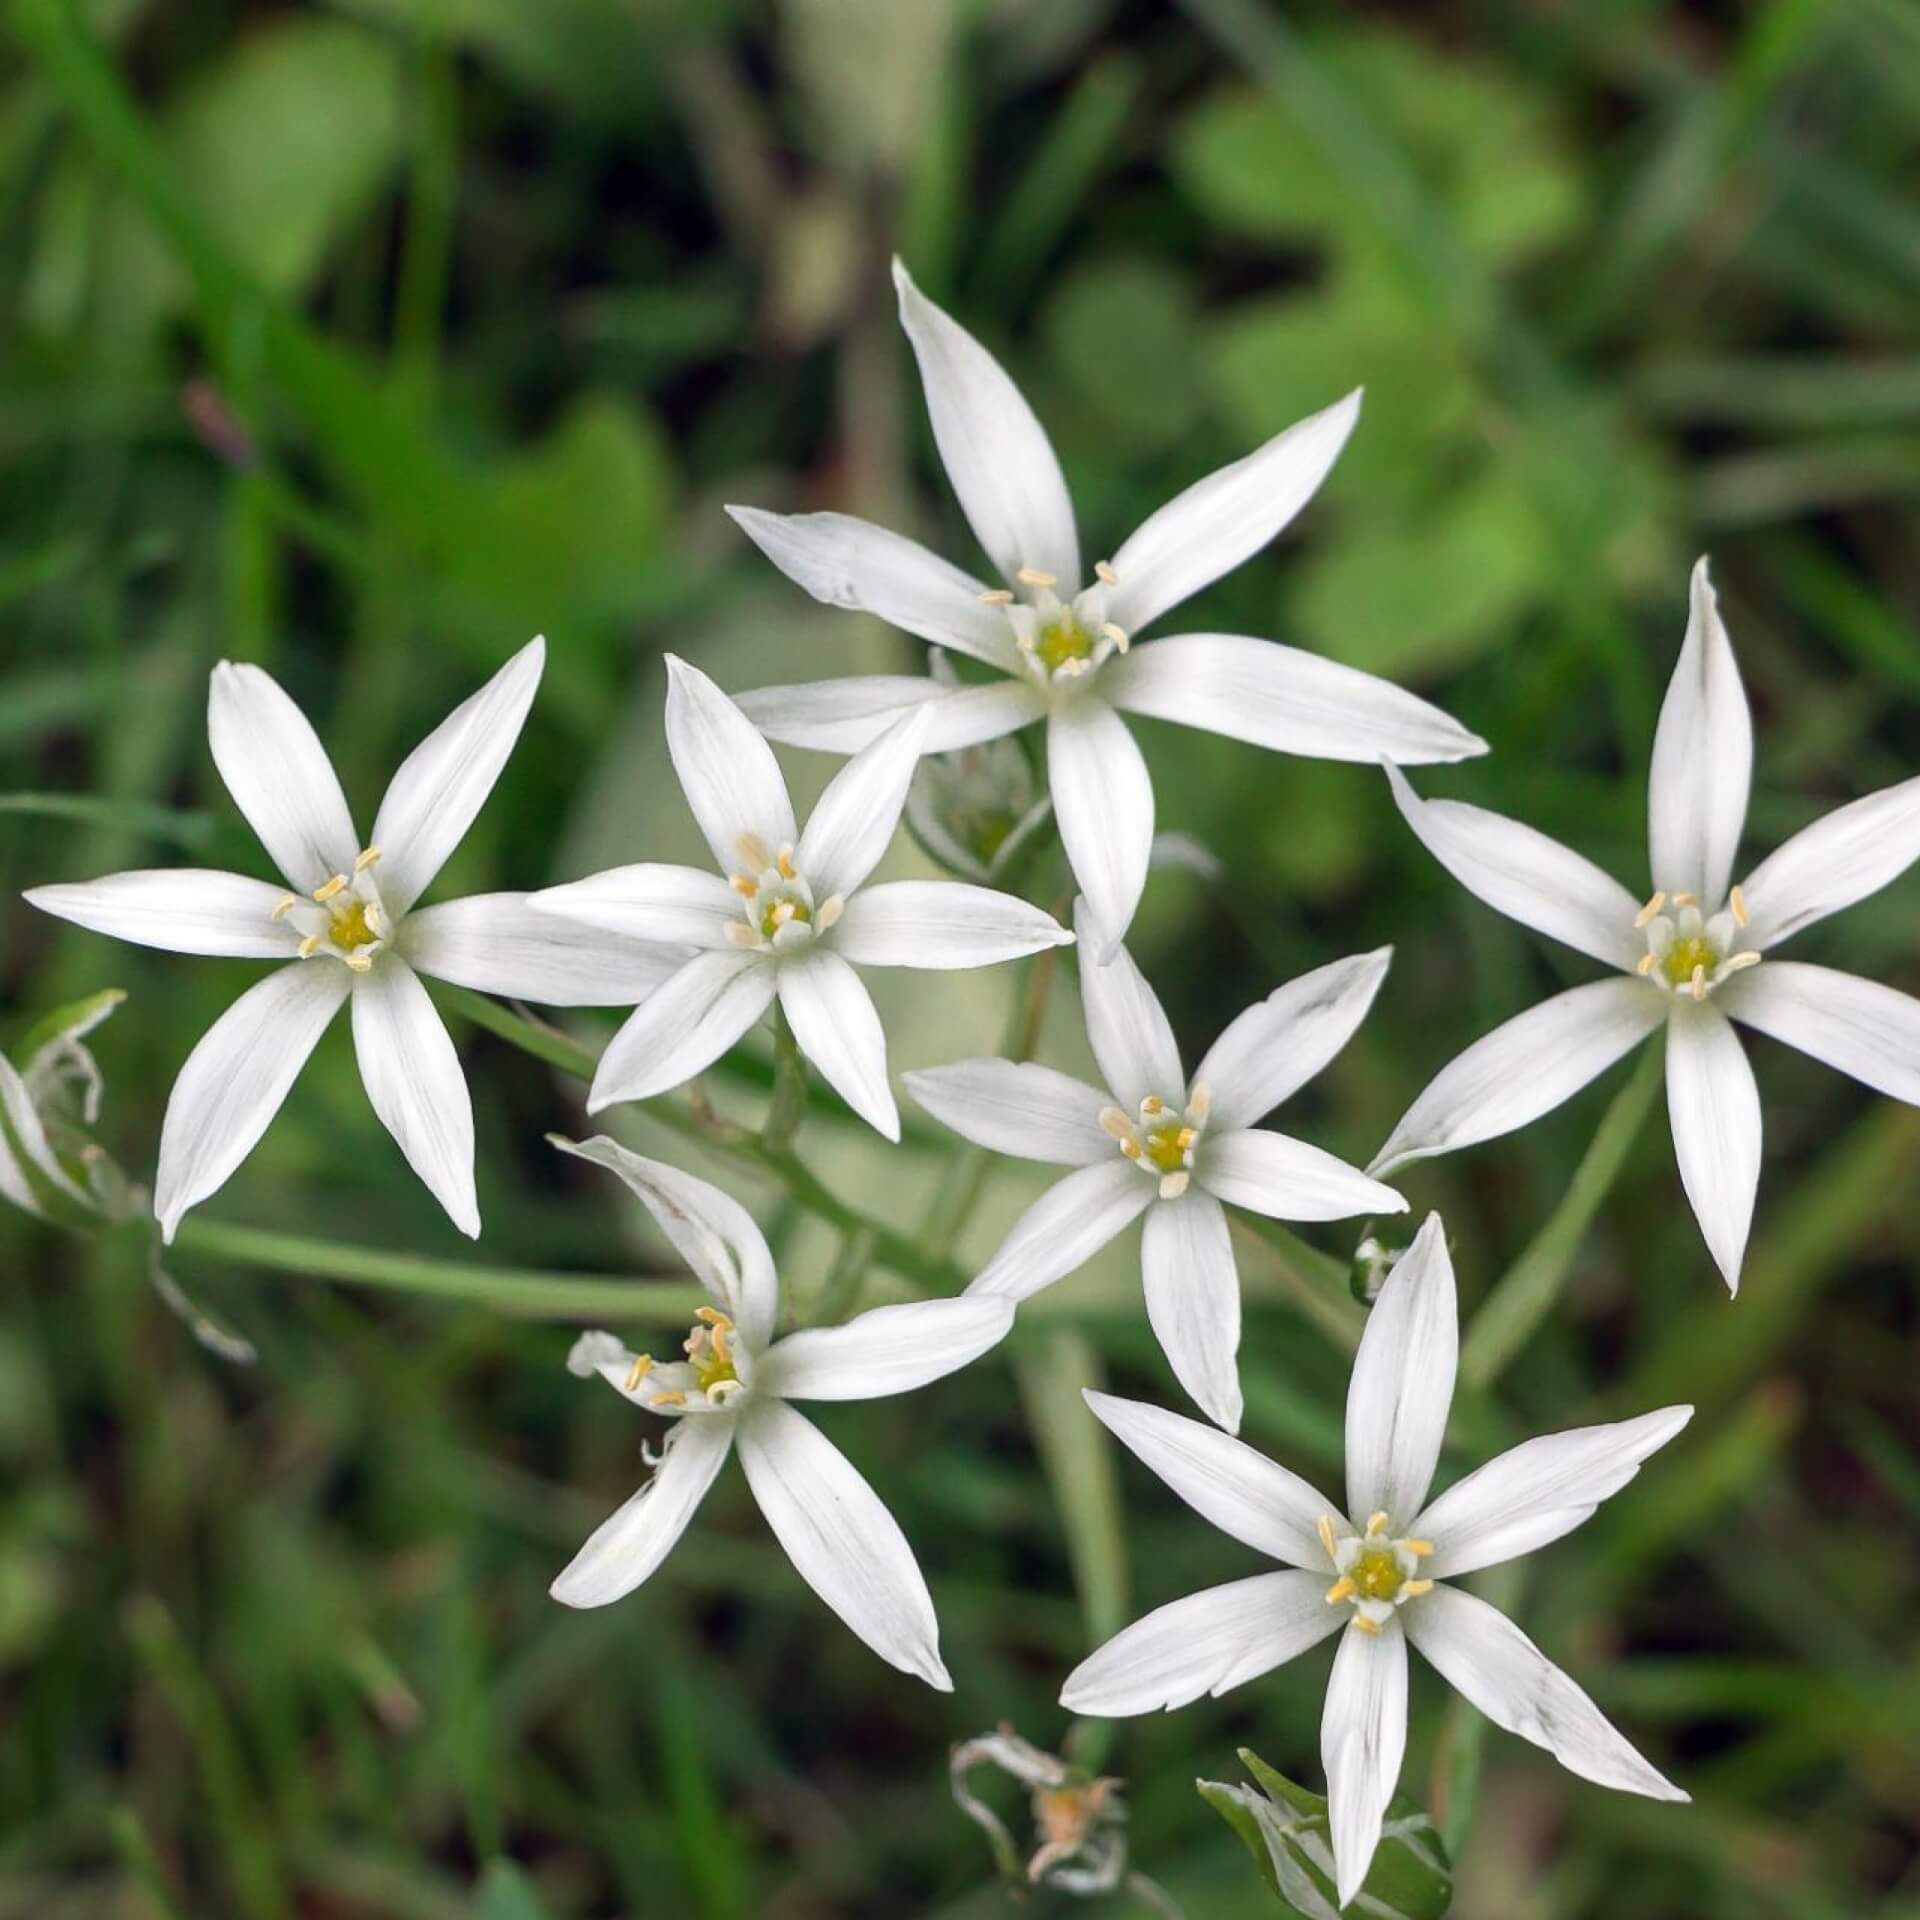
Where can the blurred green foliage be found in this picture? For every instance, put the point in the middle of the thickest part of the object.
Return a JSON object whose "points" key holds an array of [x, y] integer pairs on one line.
{"points": [[365, 340]]}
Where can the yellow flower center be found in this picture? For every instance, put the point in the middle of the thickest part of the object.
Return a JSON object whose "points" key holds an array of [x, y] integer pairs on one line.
{"points": [[1376, 1574], [1687, 953], [710, 1350], [350, 929], [1060, 640], [1166, 1146]]}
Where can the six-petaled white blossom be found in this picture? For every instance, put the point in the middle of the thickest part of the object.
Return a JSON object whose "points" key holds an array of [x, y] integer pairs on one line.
{"points": [[1064, 642], [736, 1386], [1694, 952], [1152, 1143], [1378, 1567], [789, 914], [345, 918]]}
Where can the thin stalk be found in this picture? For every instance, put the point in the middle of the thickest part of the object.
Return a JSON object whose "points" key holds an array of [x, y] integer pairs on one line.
{"points": [[789, 1106], [1317, 1282]]}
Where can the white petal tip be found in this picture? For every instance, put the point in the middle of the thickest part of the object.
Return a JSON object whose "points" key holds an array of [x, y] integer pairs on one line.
{"points": [[936, 1676], [567, 1593]]}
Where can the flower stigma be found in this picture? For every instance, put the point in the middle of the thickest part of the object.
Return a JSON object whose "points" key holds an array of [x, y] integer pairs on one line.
{"points": [[1162, 1139], [1377, 1572], [1688, 952]]}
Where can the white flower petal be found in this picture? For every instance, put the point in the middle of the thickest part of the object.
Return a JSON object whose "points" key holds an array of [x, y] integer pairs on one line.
{"points": [[1363, 1739], [841, 1538], [1714, 1109], [941, 924], [852, 563], [683, 1026], [235, 1080], [1126, 1025], [1279, 1044], [179, 910], [412, 1075], [1193, 1300], [1286, 1179], [1022, 1109], [1855, 851], [1484, 1656], [1702, 759], [629, 1545], [1223, 1480], [1402, 1385], [1524, 1068], [842, 716], [884, 1351], [1220, 521], [445, 780], [726, 770], [1280, 697], [1527, 876], [1065, 1228], [1538, 1491], [838, 1028], [1103, 805], [712, 1232], [500, 943], [1203, 1644], [675, 906], [997, 455], [1856, 1026], [279, 776], [854, 819]]}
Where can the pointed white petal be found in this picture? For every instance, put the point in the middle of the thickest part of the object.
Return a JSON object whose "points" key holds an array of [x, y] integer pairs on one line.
{"points": [[884, 1351], [1855, 1026], [1103, 804], [842, 716], [838, 1028], [841, 1538], [179, 910], [674, 906], [1065, 1228], [279, 776], [1855, 851], [1538, 1491], [235, 1080], [629, 1545], [1286, 1179], [1220, 521], [1526, 875], [1714, 1109], [941, 924], [849, 828], [852, 563], [997, 455], [1702, 759], [1484, 1656], [712, 1232], [1280, 1043], [683, 1026], [1223, 1480], [726, 769], [1363, 1739], [445, 780], [412, 1075], [1402, 1385], [1126, 1025], [1280, 697], [499, 943], [1025, 1110], [1193, 1300], [1525, 1068], [1204, 1644]]}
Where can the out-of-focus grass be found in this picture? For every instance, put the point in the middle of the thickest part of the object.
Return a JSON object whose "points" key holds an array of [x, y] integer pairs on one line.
{"points": [[365, 340]]}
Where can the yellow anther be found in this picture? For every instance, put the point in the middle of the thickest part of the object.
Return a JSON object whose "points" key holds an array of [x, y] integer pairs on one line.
{"points": [[1342, 1589], [1033, 577], [369, 857], [996, 597], [1173, 1185], [785, 862], [1646, 963], [1739, 962], [309, 946], [360, 960], [642, 1366], [1686, 900], [1645, 916], [1113, 1121], [1152, 1107], [1737, 905], [1364, 1625], [1376, 1525], [1325, 1529], [1199, 1105], [1117, 634], [1697, 986], [1104, 573], [753, 850], [783, 912], [741, 934], [283, 906], [1130, 1147], [668, 1400], [1186, 1137], [831, 908], [1413, 1589], [1420, 1549], [338, 884], [745, 885], [712, 1316]]}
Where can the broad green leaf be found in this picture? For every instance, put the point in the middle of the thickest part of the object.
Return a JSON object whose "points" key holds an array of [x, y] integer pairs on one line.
{"points": [[1285, 1828], [1121, 334]]}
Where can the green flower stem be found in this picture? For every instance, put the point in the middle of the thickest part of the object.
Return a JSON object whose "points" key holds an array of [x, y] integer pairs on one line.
{"points": [[1525, 1294], [789, 1106]]}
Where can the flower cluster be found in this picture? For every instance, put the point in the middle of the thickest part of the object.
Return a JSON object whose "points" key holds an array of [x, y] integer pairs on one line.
{"points": [[789, 916]]}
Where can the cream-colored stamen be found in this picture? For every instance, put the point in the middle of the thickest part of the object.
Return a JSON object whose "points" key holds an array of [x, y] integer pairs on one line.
{"points": [[1199, 1105], [1113, 1121], [1118, 635], [337, 884], [1173, 1185], [1104, 573], [1130, 1147], [742, 935], [1420, 1549], [368, 858], [668, 1400], [642, 1366], [360, 960], [1686, 899], [1645, 916], [1342, 1589], [1740, 962], [1152, 1107], [1362, 1624], [1033, 577], [1327, 1539], [1646, 963], [745, 885], [309, 946], [1376, 1525], [831, 908], [753, 850], [285, 906], [785, 863], [1697, 986], [996, 597], [1413, 1589], [1737, 906]]}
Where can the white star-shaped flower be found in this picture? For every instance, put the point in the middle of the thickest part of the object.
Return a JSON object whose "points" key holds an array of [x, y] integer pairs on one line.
{"points": [[1380, 1568], [737, 1385], [1695, 952], [789, 914], [345, 918], [1154, 1144], [1066, 644]]}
